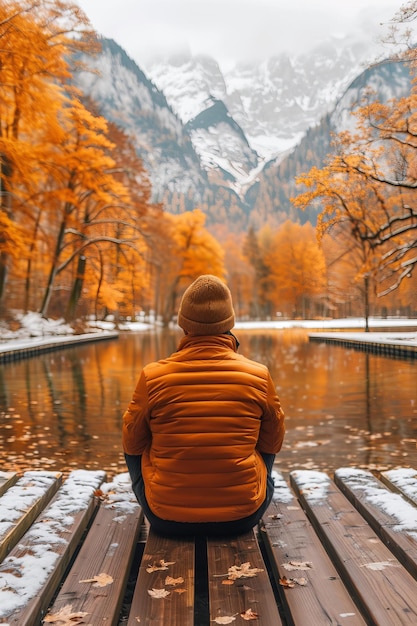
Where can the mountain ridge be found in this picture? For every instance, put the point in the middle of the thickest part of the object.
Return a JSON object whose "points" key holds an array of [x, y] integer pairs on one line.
{"points": [[195, 135]]}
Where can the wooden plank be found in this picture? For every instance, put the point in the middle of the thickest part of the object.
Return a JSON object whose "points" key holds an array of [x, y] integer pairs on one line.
{"points": [[297, 555], [228, 562], [96, 582], [385, 591], [157, 602], [31, 573], [22, 503], [403, 480], [389, 514], [7, 479]]}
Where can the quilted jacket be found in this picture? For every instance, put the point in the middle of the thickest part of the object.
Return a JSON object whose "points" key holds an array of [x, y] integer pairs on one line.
{"points": [[200, 420]]}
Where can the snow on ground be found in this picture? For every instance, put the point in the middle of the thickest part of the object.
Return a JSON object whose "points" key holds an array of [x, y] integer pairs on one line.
{"points": [[30, 564], [393, 339]]}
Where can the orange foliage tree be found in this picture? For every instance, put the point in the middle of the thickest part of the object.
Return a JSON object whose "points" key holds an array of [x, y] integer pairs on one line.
{"points": [[181, 249], [297, 270], [368, 184], [74, 194], [34, 39]]}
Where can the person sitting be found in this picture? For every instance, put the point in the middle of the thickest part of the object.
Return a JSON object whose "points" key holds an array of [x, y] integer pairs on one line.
{"points": [[203, 426]]}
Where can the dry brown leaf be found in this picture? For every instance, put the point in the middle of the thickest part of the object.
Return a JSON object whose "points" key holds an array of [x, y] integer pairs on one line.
{"points": [[228, 582], [291, 582], [300, 581], [303, 565], [173, 581], [180, 590], [158, 593], [249, 614], [243, 571], [160, 565], [226, 619], [65, 617], [275, 516], [102, 580]]}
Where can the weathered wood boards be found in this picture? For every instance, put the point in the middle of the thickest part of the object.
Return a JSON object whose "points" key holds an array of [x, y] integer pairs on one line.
{"points": [[238, 582], [385, 591], [32, 571], [341, 552], [164, 592], [310, 586], [21, 504], [96, 583]]}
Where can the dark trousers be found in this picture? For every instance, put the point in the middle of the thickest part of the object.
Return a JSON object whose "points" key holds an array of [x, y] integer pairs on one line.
{"points": [[169, 527]]}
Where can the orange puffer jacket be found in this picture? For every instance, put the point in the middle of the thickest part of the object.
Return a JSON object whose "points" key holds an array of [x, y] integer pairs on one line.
{"points": [[199, 419]]}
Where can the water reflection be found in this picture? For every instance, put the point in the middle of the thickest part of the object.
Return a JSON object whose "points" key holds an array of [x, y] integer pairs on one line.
{"points": [[343, 407]]}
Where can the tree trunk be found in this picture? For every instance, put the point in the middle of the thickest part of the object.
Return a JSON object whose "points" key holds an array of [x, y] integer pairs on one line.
{"points": [[76, 288], [52, 273], [366, 284], [6, 206]]}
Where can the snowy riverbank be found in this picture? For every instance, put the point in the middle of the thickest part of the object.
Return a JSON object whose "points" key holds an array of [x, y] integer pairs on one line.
{"points": [[36, 331]]}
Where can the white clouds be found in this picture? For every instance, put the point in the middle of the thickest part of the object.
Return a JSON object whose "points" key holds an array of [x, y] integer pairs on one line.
{"points": [[231, 30]]}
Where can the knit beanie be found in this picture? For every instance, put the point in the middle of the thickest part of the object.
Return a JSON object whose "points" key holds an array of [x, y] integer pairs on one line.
{"points": [[206, 307]]}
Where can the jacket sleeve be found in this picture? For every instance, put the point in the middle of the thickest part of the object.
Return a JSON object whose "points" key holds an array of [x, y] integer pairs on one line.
{"points": [[272, 430], [136, 431]]}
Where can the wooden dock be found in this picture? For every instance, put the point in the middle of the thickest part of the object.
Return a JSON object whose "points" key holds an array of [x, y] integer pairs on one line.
{"points": [[395, 345], [26, 348], [336, 550]]}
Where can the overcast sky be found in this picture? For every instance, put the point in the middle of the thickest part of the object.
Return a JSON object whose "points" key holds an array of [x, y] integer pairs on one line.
{"points": [[231, 30]]}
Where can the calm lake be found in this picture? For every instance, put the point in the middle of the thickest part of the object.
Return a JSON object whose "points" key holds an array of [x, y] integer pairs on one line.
{"points": [[343, 407]]}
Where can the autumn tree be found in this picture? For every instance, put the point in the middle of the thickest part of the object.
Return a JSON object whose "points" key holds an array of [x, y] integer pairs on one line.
{"points": [[35, 39], [76, 192], [349, 291], [369, 182], [254, 252], [297, 270], [187, 250], [240, 274], [112, 234]]}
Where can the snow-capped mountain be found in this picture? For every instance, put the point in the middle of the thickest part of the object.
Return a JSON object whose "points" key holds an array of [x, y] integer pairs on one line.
{"points": [[128, 98], [383, 81], [207, 139], [274, 101], [203, 163]]}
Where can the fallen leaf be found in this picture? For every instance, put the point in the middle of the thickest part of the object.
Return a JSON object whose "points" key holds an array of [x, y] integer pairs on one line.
{"points": [[275, 516], [227, 619], [243, 571], [291, 565], [158, 593], [102, 580], [173, 581], [181, 590], [300, 581], [291, 582], [65, 617], [228, 582], [160, 565], [249, 614]]}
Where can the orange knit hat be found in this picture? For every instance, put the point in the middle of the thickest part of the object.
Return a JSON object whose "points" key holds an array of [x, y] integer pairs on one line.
{"points": [[206, 307]]}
